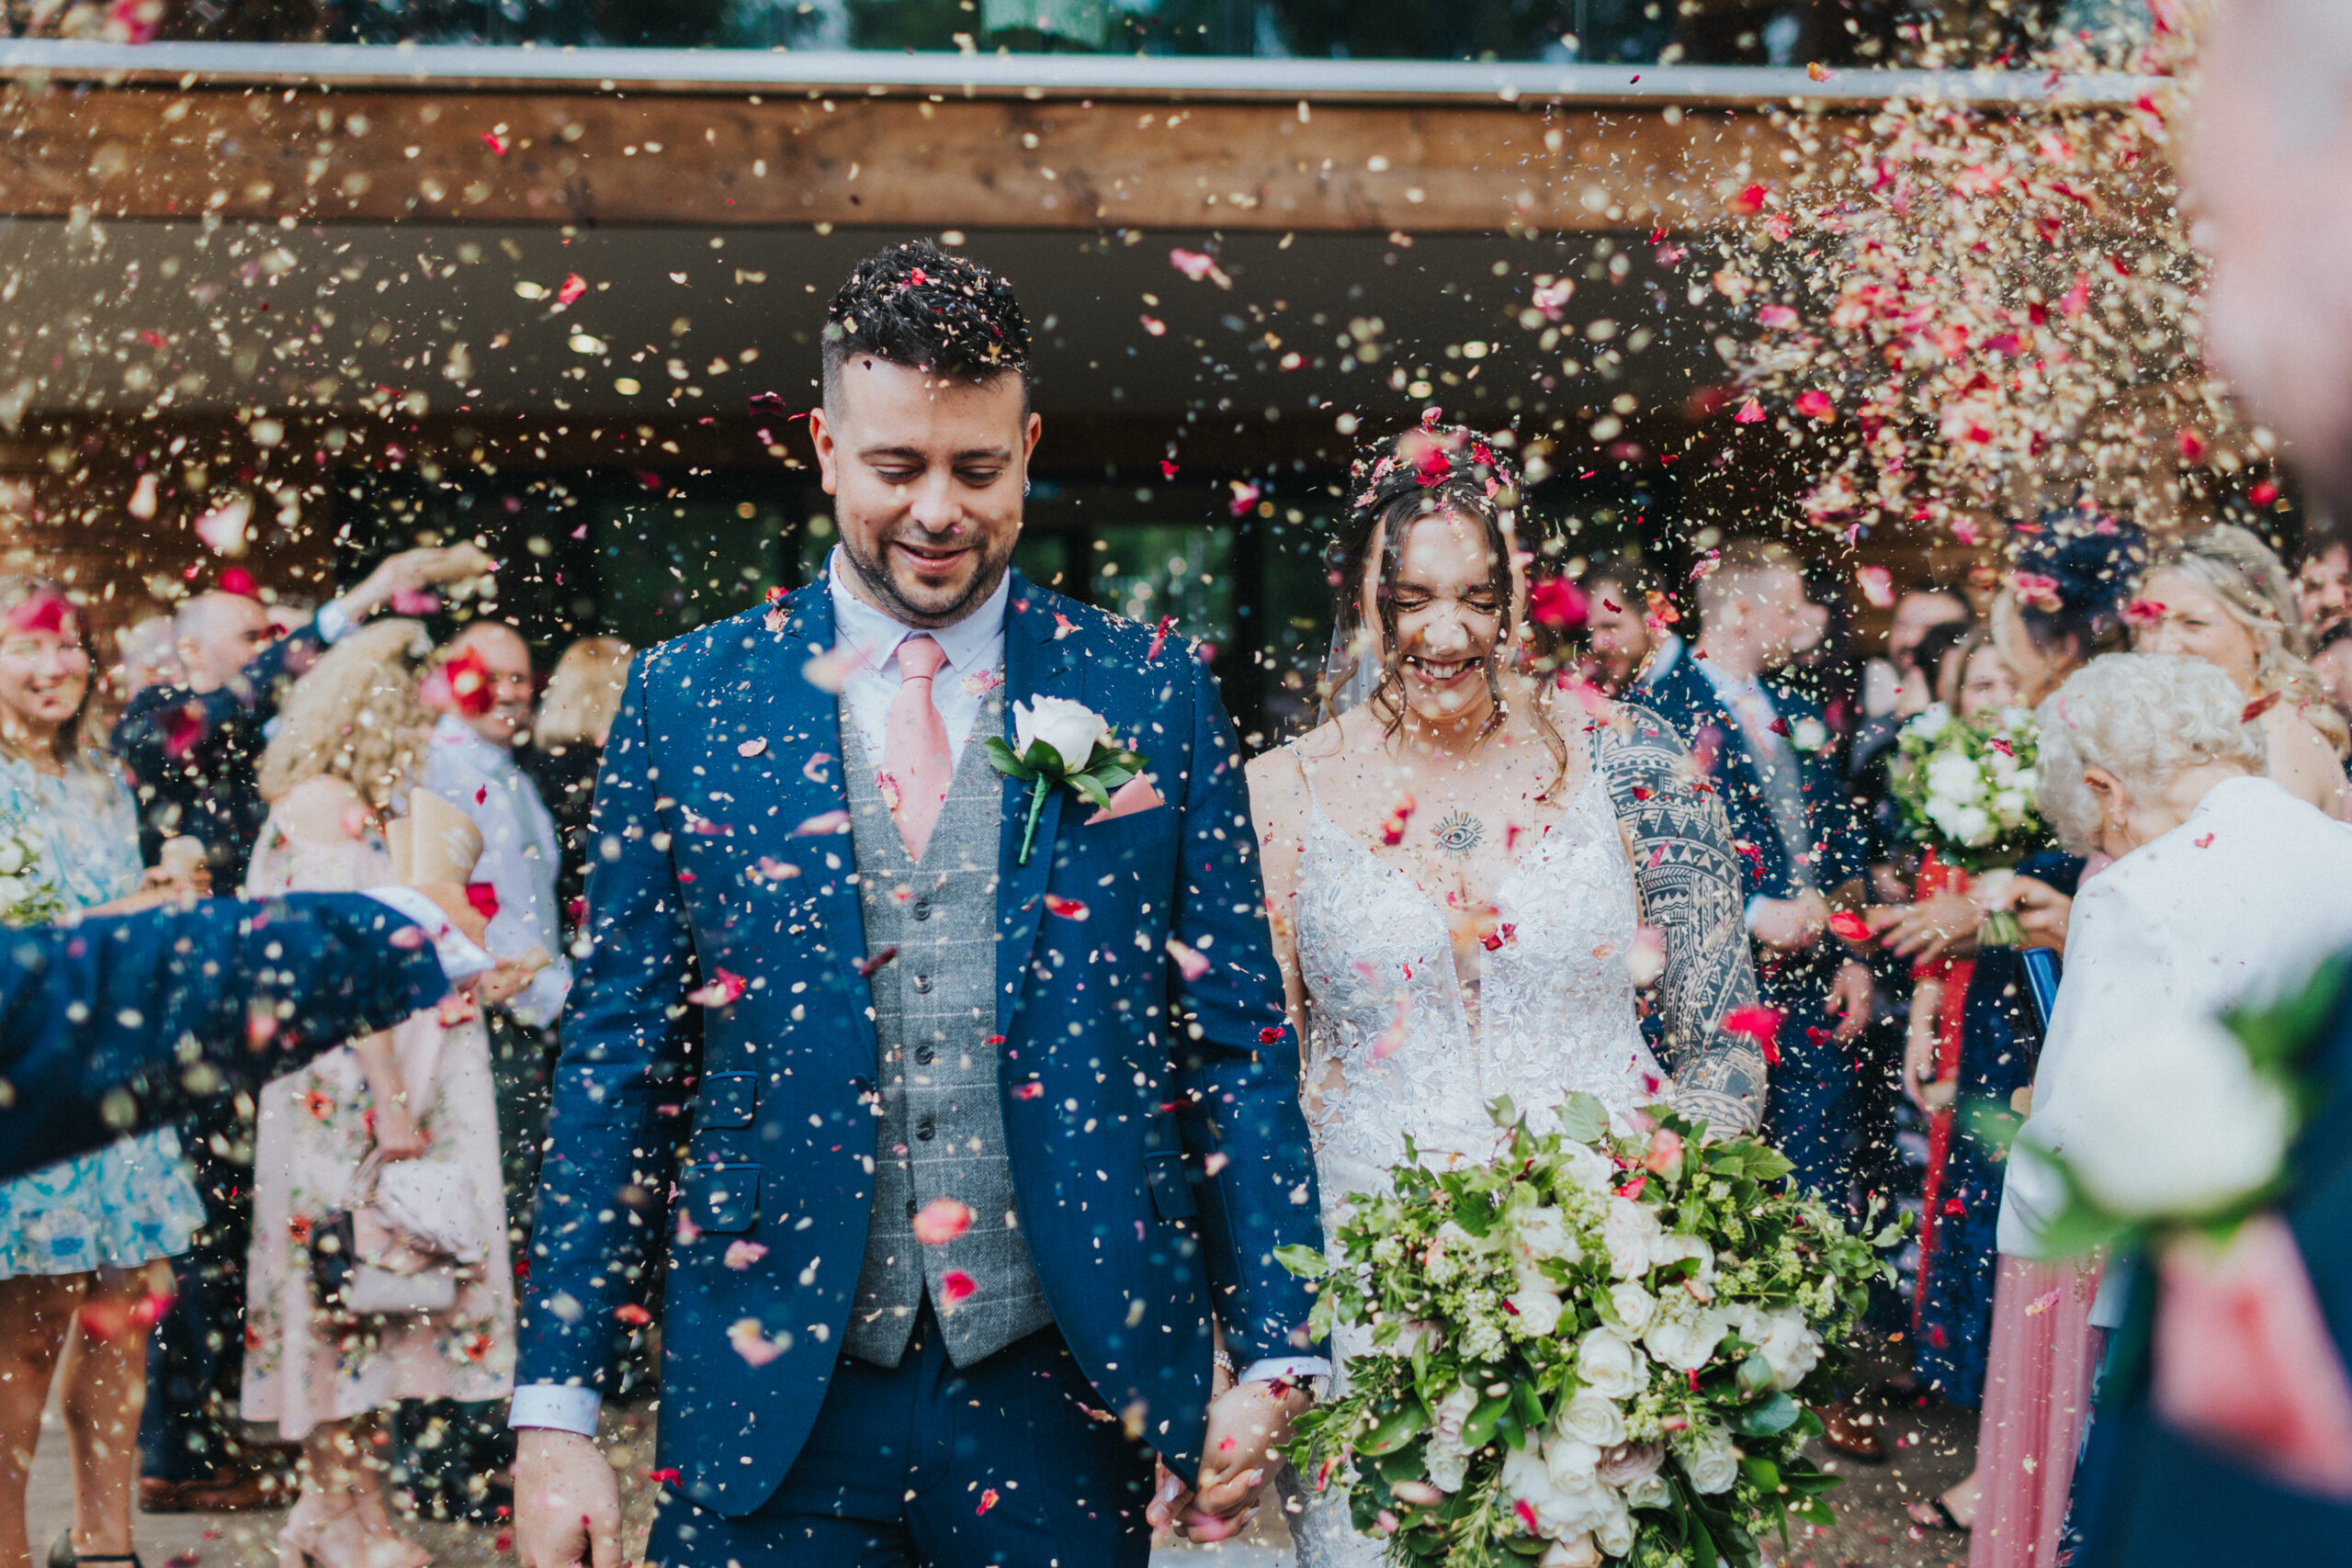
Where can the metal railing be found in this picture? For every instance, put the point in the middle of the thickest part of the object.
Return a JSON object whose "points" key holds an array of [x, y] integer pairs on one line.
{"points": [[443, 67]]}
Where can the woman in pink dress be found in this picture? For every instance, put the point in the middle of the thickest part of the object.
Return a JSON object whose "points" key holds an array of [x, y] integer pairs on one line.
{"points": [[344, 757]]}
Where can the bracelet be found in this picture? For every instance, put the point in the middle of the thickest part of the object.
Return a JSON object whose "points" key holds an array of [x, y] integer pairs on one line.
{"points": [[1223, 1359]]}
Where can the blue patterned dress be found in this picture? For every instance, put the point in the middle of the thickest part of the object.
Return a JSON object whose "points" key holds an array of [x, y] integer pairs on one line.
{"points": [[132, 1202]]}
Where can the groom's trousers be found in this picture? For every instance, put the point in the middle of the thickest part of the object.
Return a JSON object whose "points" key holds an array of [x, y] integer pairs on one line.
{"points": [[1011, 1460]]}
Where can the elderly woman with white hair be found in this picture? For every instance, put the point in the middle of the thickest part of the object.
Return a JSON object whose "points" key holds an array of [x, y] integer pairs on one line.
{"points": [[2223, 888]]}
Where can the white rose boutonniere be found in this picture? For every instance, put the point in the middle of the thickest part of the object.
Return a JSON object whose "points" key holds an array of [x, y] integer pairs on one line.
{"points": [[1061, 741], [1809, 735]]}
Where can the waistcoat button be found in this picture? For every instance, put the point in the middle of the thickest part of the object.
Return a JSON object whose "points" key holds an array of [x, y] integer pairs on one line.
{"points": [[923, 1130], [923, 1054], [921, 910], [922, 982]]}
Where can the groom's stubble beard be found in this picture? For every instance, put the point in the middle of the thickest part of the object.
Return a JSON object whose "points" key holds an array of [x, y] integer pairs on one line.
{"points": [[994, 557]]}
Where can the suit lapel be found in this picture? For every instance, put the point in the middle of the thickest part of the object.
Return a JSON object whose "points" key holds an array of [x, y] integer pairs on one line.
{"points": [[1037, 663], [803, 720]]}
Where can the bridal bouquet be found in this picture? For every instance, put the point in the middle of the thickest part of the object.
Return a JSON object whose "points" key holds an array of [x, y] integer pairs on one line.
{"points": [[27, 896], [1591, 1350]]}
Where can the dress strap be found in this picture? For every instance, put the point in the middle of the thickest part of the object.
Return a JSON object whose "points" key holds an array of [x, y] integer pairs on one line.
{"points": [[1298, 761]]}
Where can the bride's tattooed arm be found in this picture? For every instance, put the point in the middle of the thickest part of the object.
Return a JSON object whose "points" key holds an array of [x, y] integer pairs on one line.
{"points": [[1692, 890]]}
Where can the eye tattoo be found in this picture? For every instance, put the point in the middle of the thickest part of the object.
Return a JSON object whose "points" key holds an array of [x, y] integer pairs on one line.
{"points": [[1460, 833]]}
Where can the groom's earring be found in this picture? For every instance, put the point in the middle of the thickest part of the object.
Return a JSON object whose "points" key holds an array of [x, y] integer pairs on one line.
{"points": [[1027, 487]]}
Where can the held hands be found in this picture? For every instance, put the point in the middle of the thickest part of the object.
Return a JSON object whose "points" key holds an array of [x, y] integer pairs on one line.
{"points": [[2041, 909], [1246, 1423], [567, 1502], [1936, 926]]}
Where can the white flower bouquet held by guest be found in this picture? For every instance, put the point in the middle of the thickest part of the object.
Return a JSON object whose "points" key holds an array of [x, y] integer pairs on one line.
{"points": [[1594, 1349], [1966, 789], [28, 897]]}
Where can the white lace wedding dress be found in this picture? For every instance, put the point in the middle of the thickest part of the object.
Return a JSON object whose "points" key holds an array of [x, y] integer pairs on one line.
{"points": [[1395, 1051]]}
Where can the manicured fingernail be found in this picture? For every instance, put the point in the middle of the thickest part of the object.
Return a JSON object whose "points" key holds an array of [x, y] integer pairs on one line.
{"points": [[1256, 1478]]}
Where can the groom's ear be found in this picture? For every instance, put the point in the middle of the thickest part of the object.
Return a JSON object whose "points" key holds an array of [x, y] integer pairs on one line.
{"points": [[820, 432]]}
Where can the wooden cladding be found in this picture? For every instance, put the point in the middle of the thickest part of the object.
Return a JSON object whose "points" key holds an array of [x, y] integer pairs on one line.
{"points": [[311, 155]]}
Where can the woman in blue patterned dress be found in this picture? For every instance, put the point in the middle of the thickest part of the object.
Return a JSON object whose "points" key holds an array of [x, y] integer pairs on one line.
{"points": [[82, 1243]]}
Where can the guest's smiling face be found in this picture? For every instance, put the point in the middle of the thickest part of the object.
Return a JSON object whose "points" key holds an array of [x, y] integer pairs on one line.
{"points": [[44, 669], [1449, 617], [926, 476], [2195, 622]]}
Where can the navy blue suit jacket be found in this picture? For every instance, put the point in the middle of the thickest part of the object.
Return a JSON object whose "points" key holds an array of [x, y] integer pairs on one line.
{"points": [[718, 843], [123, 1021], [1685, 698]]}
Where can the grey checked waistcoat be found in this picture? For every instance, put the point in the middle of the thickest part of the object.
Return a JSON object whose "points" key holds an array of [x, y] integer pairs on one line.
{"points": [[942, 1133]]}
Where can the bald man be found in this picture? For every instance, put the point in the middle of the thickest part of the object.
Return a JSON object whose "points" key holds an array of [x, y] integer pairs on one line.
{"points": [[192, 748]]}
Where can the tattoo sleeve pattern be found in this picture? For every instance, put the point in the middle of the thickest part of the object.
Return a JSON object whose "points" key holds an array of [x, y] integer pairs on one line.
{"points": [[1690, 881]]}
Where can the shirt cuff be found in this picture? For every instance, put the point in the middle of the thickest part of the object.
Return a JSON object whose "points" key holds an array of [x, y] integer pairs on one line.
{"points": [[561, 1407], [461, 959], [1285, 1368], [333, 621]]}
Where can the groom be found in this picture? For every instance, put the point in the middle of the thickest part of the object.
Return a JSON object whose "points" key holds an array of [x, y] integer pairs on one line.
{"points": [[981, 1145]]}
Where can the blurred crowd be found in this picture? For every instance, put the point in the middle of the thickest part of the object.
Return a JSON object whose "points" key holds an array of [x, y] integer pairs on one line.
{"points": [[170, 1283], [2159, 676]]}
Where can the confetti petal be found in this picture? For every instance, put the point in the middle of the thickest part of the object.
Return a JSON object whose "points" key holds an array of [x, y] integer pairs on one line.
{"points": [[941, 1221]]}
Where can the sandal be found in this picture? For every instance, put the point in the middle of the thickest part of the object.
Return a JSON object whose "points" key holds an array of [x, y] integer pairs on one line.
{"points": [[1943, 1518], [62, 1555]]}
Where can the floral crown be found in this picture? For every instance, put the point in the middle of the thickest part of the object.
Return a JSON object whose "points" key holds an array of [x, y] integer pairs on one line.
{"points": [[1430, 457]]}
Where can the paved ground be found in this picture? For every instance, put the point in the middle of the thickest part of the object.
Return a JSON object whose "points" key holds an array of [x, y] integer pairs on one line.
{"points": [[1871, 1533]]}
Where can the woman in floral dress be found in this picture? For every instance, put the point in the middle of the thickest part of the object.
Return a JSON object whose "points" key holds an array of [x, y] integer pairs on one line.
{"points": [[344, 757], [82, 1243]]}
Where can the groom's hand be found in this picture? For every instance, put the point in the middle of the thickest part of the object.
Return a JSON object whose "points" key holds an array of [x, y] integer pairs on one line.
{"points": [[567, 1502], [1246, 1423]]}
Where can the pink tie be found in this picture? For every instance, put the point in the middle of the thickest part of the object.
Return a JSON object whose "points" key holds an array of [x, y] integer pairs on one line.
{"points": [[914, 752]]}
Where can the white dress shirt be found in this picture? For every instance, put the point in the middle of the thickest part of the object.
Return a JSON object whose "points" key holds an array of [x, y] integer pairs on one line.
{"points": [[975, 650], [519, 856]]}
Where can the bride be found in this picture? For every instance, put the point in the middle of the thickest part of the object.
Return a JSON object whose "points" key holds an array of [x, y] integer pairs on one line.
{"points": [[1472, 870]]}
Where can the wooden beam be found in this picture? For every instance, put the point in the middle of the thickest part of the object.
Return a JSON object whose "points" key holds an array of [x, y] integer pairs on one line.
{"points": [[312, 155]]}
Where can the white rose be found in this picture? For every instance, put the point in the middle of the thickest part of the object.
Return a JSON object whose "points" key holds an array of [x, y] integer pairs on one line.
{"points": [[1615, 1534], [1578, 1553], [1447, 1467], [1543, 1233], [1610, 1364], [1572, 1462], [1447, 1459], [2125, 1136], [1562, 1512], [1950, 774], [1809, 735], [1634, 1306], [1590, 1418], [1630, 1231], [1584, 1167], [1685, 1339], [1789, 1347], [1710, 1460], [1537, 1304], [1629, 1464], [11, 892], [1971, 824], [12, 857], [1674, 1249], [1072, 729], [1657, 1492], [1453, 1412]]}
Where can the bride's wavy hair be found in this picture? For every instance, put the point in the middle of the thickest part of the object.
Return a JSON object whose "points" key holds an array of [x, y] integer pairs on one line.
{"points": [[1427, 470]]}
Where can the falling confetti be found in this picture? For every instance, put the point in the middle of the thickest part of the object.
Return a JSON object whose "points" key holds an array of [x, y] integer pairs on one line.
{"points": [[941, 1221]]}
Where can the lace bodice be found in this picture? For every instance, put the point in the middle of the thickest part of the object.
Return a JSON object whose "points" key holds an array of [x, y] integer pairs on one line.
{"points": [[1395, 1050]]}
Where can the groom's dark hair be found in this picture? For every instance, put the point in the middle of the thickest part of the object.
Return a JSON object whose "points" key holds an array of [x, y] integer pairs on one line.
{"points": [[920, 307]]}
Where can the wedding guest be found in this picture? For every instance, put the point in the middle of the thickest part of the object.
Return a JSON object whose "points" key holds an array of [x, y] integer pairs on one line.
{"points": [[146, 654], [82, 1243], [1766, 745], [584, 693], [2079, 566], [2270, 169], [2223, 887], [2323, 580], [192, 747], [2332, 658], [1922, 605], [2221, 595], [1617, 621], [350, 745]]}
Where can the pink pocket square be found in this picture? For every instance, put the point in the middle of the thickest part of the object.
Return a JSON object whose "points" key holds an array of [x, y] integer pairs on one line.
{"points": [[2244, 1362], [1136, 795]]}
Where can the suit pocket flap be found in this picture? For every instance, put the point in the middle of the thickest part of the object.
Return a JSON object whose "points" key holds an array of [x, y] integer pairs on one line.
{"points": [[722, 1197], [1172, 1189], [728, 1099]]}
